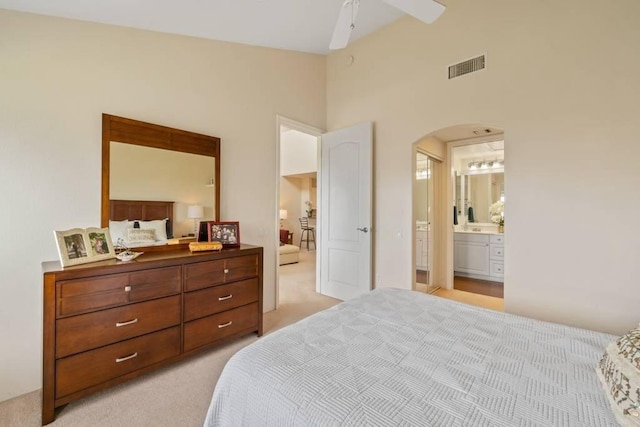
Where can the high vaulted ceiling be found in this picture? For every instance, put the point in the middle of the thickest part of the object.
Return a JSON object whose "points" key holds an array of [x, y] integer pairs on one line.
{"points": [[302, 25]]}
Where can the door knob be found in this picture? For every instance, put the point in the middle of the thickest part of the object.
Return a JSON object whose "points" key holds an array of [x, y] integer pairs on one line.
{"points": [[364, 230]]}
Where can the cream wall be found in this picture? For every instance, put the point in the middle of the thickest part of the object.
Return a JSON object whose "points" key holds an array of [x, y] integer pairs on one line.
{"points": [[56, 79], [562, 81], [298, 153]]}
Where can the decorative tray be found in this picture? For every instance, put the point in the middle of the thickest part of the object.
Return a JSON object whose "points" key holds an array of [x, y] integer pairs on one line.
{"points": [[128, 255]]}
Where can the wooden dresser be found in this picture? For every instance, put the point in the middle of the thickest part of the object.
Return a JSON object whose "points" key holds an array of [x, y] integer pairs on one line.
{"points": [[111, 321]]}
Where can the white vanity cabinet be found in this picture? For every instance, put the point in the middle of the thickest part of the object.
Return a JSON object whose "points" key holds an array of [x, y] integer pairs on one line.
{"points": [[471, 253], [479, 255], [422, 250], [496, 257]]}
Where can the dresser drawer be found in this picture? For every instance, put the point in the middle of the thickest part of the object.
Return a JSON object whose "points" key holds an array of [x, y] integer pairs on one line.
{"points": [[156, 283], [212, 328], [87, 331], [241, 267], [212, 273], [219, 298], [93, 367], [203, 275], [83, 295], [86, 295]]}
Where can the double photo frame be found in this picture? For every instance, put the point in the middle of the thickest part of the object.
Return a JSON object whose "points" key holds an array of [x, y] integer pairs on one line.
{"points": [[84, 245]]}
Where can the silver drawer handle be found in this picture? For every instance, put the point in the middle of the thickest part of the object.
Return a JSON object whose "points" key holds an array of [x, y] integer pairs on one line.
{"points": [[224, 298], [127, 288], [224, 325], [226, 271], [129, 322], [131, 356]]}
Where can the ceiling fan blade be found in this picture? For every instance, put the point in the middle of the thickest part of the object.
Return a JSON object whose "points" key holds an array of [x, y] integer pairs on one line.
{"points": [[425, 10], [345, 24]]}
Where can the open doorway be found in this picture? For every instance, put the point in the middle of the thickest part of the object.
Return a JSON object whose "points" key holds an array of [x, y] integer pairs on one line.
{"points": [[297, 212], [479, 200], [446, 253]]}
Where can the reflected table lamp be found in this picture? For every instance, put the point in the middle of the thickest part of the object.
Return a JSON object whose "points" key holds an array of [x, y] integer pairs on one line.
{"points": [[283, 216], [195, 212]]}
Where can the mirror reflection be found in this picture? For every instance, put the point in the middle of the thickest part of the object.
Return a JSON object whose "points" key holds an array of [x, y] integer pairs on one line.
{"points": [[480, 192], [479, 185], [145, 173]]}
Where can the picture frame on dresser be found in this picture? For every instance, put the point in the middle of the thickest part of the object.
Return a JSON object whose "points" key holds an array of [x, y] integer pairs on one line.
{"points": [[225, 232], [81, 246]]}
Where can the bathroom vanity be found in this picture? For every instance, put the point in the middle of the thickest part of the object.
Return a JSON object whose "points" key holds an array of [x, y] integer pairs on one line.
{"points": [[479, 255]]}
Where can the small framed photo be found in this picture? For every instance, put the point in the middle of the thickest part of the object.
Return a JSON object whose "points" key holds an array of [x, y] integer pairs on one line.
{"points": [[227, 233], [80, 246]]}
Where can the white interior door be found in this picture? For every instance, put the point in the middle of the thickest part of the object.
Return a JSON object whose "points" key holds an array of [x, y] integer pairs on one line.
{"points": [[345, 212]]}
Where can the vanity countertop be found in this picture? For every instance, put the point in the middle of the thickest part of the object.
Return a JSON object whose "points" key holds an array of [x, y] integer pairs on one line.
{"points": [[477, 232]]}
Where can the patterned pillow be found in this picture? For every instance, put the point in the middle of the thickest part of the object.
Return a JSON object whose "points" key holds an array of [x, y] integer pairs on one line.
{"points": [[139, 235], [619, 371]]}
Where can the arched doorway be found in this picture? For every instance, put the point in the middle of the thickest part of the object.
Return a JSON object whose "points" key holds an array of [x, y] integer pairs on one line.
{"points": [[471, 156]]}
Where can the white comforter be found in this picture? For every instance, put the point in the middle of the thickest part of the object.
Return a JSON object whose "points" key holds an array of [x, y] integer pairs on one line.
{"points": [[402, 358]]}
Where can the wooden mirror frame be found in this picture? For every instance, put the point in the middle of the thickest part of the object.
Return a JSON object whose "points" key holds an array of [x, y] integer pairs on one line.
{"points": [[135, 132]]}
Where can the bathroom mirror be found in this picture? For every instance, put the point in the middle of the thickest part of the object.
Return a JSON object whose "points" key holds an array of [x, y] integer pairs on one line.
{"points": [[478, 191], [144, 161]]}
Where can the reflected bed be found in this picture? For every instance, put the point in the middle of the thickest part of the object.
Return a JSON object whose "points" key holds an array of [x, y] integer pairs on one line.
{"points": [[140, 210], [398, 357]]}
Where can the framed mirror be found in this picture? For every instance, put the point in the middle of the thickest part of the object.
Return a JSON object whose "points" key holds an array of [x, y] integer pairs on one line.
{"points": [[151, 172]]}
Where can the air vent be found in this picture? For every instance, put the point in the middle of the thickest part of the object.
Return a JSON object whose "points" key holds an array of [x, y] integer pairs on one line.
{"points": [[466, 67]]}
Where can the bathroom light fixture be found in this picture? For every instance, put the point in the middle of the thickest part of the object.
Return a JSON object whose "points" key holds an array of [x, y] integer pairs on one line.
{"points": [[477, 165]]}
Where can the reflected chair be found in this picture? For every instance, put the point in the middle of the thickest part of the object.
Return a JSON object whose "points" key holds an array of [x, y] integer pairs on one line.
{"points": [[311, 232]]}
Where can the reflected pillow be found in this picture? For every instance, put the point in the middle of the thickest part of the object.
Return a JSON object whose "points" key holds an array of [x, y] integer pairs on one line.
{"points": [[619, 372], [139, 235], [118, 230], [158, 225]]}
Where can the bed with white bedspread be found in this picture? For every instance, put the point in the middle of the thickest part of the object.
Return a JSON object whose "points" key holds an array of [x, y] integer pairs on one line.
{"points": [[402, 358]]}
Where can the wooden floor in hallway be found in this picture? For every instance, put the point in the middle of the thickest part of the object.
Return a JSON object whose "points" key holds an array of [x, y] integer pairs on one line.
{"points": [[483, 287]]}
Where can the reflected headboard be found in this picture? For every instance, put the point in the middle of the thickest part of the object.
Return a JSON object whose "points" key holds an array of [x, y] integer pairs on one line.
{"points": [[144, 210]]}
